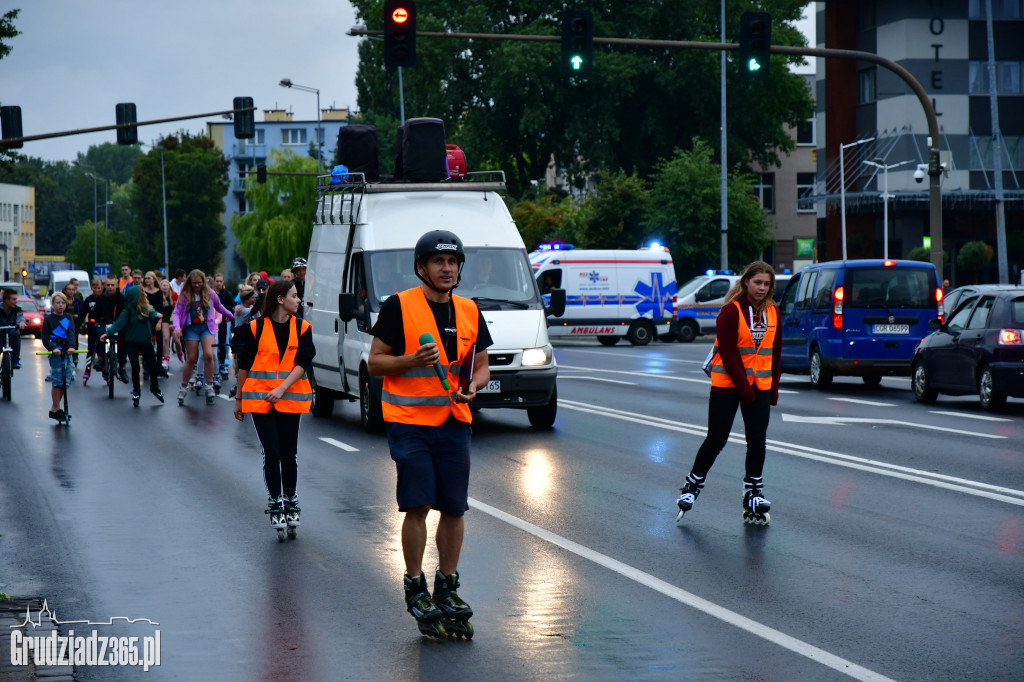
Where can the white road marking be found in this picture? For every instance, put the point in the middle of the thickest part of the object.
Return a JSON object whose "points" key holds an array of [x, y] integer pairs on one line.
{"points": [[843, 421], [686, 598], [863, 402], [610, 381], [971, 416], [960, 485], [339, 444]]}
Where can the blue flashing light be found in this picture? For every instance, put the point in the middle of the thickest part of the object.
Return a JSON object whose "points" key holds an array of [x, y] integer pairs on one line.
{"points": [[655, 246], [710, 272], [555, 245]]}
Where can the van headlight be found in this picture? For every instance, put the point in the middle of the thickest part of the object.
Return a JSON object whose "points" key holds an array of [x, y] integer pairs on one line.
{"points": [[535, 357]]}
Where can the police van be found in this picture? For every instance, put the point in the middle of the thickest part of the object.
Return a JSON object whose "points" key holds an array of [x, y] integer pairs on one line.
{"points": [[609, 294], [361, 252], [699, 301]]}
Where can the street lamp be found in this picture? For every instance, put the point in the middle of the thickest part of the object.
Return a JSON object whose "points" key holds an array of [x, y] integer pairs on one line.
{"points": [[287, 83], [842, 186], [878, 163], [95, 210]]}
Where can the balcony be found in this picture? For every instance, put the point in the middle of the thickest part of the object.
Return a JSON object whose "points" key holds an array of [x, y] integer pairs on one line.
{"points": [[245, 149]]}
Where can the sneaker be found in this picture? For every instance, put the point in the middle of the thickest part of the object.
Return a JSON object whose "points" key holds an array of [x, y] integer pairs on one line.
{"points": [[46, 378], [122, 376], [181, 357], [209, 395], [16, 364], [155, 390], [166, 363], [57, 414]]}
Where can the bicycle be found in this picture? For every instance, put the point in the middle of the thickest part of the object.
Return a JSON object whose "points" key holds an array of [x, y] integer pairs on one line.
{"points": [[110, 366], [7, 364]]}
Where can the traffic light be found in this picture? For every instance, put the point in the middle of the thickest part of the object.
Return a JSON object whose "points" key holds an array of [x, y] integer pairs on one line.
{"points": [[125, 113], [261, 174], [10, 123], [399, 33], [245, 122], [577, 42], [755, 45]]}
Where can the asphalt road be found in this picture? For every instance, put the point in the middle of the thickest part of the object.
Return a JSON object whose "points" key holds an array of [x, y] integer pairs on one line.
{"points": [[895, 548]]}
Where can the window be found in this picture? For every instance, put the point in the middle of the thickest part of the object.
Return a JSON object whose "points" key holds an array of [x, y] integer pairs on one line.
{"points": [[805, 132], [261, 136], [866, 89], [804, 187], [551, 279], [980, 317], [889, 287], [959, 319], [764, 190], [293, 136], [1001, 9], [1008, 78], [803, 296], [789, 298], [823, 297]]}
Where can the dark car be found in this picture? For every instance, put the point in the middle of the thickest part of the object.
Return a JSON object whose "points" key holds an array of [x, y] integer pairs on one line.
{"points": [[951, 299], [33, 316], [979, 349]]}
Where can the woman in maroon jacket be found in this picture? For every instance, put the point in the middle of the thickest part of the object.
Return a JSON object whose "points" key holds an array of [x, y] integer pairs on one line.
{"points": [[744, 367]]}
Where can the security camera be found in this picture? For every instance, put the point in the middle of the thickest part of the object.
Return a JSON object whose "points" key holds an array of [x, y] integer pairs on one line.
{"points": [[919, 175]]}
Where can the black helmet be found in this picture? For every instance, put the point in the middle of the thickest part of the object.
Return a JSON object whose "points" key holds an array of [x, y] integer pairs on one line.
{"points": [[439, 241]]}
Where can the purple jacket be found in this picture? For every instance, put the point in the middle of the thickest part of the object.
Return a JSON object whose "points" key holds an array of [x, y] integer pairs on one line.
{"points": [[181, 312]]}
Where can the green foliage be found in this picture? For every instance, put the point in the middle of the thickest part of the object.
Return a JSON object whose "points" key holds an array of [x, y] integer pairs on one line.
{"points": [[920, 253], [111, 247], [7, 32], [974, 257], [685, 211], [546, 219], [506, 104], [112, 161], [613, 216], [196, 178], [281, 223]]}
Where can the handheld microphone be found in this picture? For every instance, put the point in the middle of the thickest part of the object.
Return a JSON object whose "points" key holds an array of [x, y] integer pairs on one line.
{"points": [[425, 339]]}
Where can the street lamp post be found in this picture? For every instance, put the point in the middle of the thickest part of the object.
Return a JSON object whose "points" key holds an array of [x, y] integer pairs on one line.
{"points": [[842, 187], [878, 163], [95, 213], [287, 83]]}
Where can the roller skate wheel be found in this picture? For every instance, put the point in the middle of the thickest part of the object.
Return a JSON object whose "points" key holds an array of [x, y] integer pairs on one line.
{"points": [[757, 519], [291, 533], [459, 629], [433, 630], [280, 534]]}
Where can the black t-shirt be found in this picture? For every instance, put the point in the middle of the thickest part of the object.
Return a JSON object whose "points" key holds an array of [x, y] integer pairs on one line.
{"points": [[250, 344], [109, 307], [390, 330]]}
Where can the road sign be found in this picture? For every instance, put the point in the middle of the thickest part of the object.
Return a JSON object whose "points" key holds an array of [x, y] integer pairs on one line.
{"points": [[101, 269]]}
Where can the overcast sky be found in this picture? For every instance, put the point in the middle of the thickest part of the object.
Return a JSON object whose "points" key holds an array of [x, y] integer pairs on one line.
{"points": [[76, 59]]}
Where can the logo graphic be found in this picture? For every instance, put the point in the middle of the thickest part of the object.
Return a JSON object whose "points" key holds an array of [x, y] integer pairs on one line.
{"points": [[656, 296], [594, 276], [94, 649]]}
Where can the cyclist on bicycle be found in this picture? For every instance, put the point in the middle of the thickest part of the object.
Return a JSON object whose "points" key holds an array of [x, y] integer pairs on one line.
{"points": [[110, 306], [11, 316]]}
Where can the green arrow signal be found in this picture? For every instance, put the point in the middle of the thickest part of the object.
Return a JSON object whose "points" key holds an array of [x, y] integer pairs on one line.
{"points": [[753, 65], [577, 62]]}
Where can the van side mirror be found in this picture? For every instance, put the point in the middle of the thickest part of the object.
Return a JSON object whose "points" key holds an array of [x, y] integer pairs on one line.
{"points": [[351, 308], [557, 305]]}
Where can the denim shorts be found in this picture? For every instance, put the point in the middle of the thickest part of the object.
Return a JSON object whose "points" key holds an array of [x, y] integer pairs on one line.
{"points": [[57, 378], [195, 332], [433, 465]]}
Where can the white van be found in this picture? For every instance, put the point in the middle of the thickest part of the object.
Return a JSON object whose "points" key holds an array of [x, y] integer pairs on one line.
{"points": [[609, 293], [59, 278], [361, 252]]}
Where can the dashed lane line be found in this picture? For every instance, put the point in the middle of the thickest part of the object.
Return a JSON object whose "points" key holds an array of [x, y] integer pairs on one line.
{"points": [[339, 444]]}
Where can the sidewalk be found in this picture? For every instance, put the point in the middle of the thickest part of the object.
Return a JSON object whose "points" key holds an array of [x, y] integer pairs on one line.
{"points": [[12, 613]]}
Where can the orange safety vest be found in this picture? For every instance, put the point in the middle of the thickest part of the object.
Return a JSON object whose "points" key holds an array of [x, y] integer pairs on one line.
{"points": [[268, 372], [757, 360], [417, 396]]}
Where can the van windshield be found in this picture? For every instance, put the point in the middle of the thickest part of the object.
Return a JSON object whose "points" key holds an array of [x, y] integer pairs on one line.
{"points": [[889, 287], [692, 285], [496, 277]]}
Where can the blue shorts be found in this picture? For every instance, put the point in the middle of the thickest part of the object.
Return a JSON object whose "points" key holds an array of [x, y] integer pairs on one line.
{"points": [[195, 332], [57, 378], [433, 465]]}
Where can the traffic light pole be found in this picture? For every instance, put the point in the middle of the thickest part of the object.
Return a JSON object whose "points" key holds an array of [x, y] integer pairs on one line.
{"points": [[934, 172]]}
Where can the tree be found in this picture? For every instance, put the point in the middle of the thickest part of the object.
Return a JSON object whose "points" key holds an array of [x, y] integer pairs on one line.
{"points": [[114, 162], [684, 209], [281, 223], [7, 32], [974, 257], [546, 219], [110, 247], [507, 105], [613, 216], [196, 174]]}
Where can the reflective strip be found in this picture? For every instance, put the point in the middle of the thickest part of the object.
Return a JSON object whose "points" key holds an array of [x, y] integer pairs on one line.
{"points": [[300, 397], [419, 372], [415, 400], [761, 373], [273, 376], [455, 369], [747, 351], [763, 351]]}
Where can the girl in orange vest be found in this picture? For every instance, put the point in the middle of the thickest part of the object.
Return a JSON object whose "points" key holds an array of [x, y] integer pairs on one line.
{"points": [[744, 369], [276, 353]]}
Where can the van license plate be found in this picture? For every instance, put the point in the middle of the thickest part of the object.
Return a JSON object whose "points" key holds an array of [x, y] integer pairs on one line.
{"points": [[891, 329], [493, 386]]}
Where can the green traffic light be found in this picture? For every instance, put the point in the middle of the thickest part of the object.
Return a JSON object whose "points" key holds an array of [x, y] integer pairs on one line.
{"points": [[577, 62], [753, 65]]}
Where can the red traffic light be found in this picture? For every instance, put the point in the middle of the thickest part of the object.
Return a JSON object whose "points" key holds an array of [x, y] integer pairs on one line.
{"points": [[400, 15]]}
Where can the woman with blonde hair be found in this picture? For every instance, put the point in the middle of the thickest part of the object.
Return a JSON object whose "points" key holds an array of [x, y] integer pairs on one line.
{"points": [[744, 366], [195, 324]]}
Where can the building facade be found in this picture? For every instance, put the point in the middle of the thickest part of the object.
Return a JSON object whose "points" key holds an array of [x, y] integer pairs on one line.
{"points": [[17, 232], [277, 130], [881, 125]]}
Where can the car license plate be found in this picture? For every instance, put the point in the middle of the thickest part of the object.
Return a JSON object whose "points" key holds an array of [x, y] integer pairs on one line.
{"points": [[493, 386], [891, 329]]}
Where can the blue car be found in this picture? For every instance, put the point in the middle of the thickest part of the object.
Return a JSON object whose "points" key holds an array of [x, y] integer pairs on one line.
{"points": [[857, 318]]}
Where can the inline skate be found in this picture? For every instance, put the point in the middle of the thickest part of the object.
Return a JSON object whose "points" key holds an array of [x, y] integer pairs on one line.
{"points": [[755, 506], [276, 509], [688, 494], [456, 611], [421, 606], [291, 515]]}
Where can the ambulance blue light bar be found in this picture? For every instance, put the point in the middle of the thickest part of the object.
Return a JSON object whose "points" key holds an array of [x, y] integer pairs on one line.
{"points": [[555, 245]]}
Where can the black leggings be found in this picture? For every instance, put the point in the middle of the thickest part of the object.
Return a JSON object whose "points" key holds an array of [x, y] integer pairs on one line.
{"points": [[133, 349], [279, 437], [721, 413]]}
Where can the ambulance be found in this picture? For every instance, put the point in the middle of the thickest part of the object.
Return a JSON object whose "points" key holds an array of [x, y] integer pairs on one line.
{"points": [[609, 293]]}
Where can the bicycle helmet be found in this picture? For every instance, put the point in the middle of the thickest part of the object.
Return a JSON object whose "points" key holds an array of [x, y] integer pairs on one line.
{"points": [[439, 241]]}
